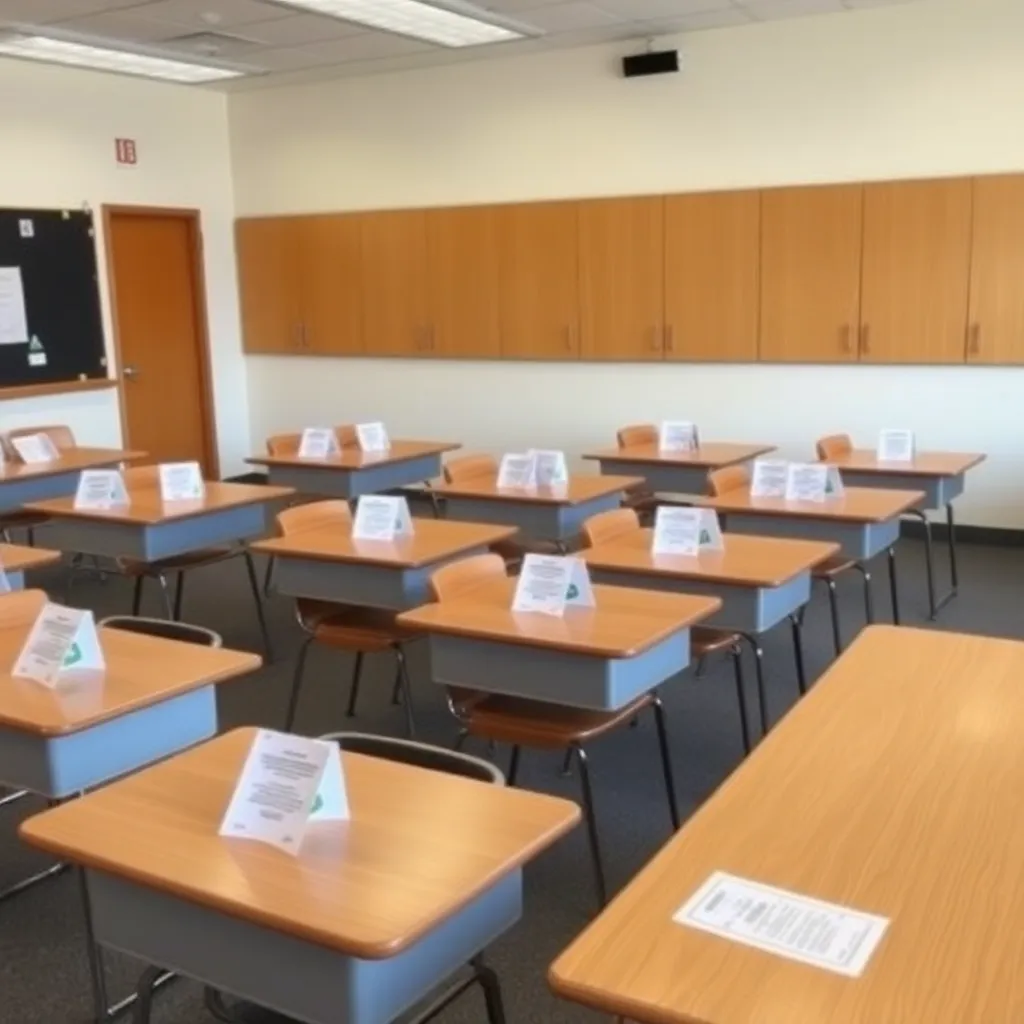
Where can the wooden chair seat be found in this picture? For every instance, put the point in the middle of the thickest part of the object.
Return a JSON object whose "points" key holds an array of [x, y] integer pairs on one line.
{"points": [[349, 627], [833, 566], [176, 563], [532, 723], [705, 641]]}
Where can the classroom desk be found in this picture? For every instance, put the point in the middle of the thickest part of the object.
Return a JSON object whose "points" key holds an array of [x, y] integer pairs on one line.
{"points": [[353, 472], [543, 513], [601, 657], [940, 475], [676, 472], [21, 483], [894, 788], [367, 918], [863, 522], [760, 581], [149, 528], [330, 565], [17, 559]]}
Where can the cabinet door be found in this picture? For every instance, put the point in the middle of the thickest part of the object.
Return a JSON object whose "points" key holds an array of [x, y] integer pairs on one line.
{"points": [[622, 278], [712, 263], [539, 281], [268, 284], [810, 273], [462, 247], [917, 251], [394, 276], [330, 284], [996, 330]]}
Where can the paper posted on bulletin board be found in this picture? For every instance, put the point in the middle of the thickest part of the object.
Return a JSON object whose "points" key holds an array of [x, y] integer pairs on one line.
{"points": [[13, 319]]}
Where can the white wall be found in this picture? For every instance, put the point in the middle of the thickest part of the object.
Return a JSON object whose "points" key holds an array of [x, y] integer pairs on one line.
{"points": [[930, 88], [57, 149]]}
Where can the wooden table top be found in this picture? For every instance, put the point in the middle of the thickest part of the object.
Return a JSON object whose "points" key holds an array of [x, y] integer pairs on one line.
{"points": [[712, 455], [141, 671], [624, 623], [745, 560], [576, 491], [433, 540], [19, 558], [353, 457], [858, 504], [923, 464], [71, 459], [146, 507], [893, 788], [419, 846]]}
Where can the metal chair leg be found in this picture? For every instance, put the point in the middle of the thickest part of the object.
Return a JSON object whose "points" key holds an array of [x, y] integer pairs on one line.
{"points": [[893, 587], [492, 990], [741, 697], [798, 653], [588, 814], [666, 762], [165, 593], [566, 764], [179, 594], [353, 691], [255, 586], [837, 636], [213, 1000], [137, 595], [869, 604], [268, 576], [460, 740], [396, 690], [951, 544], [762, 700], [144, 992], [513, 765], [403, 671], [929, 559], [293, 700]]}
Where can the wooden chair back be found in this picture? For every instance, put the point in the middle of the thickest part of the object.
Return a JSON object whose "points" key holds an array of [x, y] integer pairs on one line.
{"points": [[605, 526], [142, 476], [459, 577], [637, 434], [314, 515], [61, 436], [282, 445], [468, 467], [835, 446], [346, 435], [729, 478], [21, 607]]}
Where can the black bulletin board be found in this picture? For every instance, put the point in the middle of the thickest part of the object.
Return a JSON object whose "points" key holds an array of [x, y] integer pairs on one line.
{"points": [[56, 253]]}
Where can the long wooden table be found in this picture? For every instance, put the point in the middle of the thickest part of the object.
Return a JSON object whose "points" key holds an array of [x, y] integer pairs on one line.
{"points": [[22, 482], [894, 788]]}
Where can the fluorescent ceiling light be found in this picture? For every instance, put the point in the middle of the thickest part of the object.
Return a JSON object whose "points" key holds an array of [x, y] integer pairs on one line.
{"points": [[83, 55], [413, 18]]}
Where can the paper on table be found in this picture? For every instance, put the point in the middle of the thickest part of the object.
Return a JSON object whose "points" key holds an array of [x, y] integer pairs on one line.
{"points": [[548, 583], [5, 583], [35, 448], [518, 470], [551, 467], [834, 483], [331, 800], [13, 319], [896, 446], [796, 927], [318, 443], [685, 531], [274, 798], [678, 436], [806, 481], [181, 481], [381, 517], [372, 437], [61, 640], [100, 489], [769, 478]]}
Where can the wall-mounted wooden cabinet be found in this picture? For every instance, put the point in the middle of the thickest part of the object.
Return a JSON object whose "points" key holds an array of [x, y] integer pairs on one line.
{"points": [[896, 272]]}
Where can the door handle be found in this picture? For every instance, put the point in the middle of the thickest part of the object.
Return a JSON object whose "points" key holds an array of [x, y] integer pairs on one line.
{"points": [[865, 339], [670, 338], [657, 344], [974, 340], [129, 373], [845, 341]]}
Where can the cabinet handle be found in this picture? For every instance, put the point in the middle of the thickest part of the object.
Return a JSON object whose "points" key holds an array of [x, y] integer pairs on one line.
{"points": [[298, 335], [865, 339], [845, 341], [974, 340], [670, 338], [568, 337], [656, 342]]}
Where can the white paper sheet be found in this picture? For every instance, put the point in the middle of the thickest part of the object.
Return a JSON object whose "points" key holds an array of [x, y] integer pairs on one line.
{"points": [[381, 517], [549, 583], [35, 448], [896, 446], [518, 470], [100, 489], [678, 436], [13, 318], [372, 437], [181, 481], [551, 467], [806, 481], [796, 927], [769, 478], [318, 443], [62, 640]]}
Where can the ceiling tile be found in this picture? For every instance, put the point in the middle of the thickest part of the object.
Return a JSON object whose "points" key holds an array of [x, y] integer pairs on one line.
{"points": [[227, 13], [567, 17], [515, 6], [366, 46], [645, 10], [858, 5], [764, 10], [128, 26], [39, 12], [697, 22], [299, 29]]}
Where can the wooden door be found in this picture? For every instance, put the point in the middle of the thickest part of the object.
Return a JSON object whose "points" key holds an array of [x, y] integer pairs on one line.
{"points": [[995, 332], [159, 308], [269, 284], [810, 273], [330, 284], [712, 270], [917, 252], [539, 281], [622, 278], [394, 283], [463, 276]]}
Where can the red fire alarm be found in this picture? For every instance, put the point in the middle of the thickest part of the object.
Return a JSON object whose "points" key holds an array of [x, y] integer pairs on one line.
{"points": [[126, 153]]}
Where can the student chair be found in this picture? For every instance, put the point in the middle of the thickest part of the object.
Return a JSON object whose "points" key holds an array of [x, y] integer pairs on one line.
{"points": [[641, 498], [520, 722], [704, 641], [145, 477], [24, 519], [185, 632], [352, 628]]}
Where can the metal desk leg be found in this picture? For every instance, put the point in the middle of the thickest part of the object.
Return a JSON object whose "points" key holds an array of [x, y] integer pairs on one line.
{"points": [[893, 588], [929, 559], [762, 702], [798, 653], [935, 605], [40, 876]]}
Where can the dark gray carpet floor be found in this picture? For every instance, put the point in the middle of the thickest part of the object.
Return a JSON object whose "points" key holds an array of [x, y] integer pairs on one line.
{"points": [[43, 977]]}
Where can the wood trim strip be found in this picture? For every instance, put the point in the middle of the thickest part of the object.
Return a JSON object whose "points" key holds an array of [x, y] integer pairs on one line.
{"points": [[57, 387]]}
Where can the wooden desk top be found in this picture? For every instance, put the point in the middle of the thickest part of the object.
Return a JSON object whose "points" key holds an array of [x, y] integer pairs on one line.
{"points": [[19, 558], [577, 490], [713, 455], [353, 457], [433, 540], [420, 845], [923, 464], [141, 671], [858, 504], [147, 508], [71, 459], [894, 788], [624, 623], [744, 561]]}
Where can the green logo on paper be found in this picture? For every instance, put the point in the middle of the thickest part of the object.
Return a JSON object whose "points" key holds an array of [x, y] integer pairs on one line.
{"points": [[318, 802], [73, 656], [572, 592], [705, 537]]}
